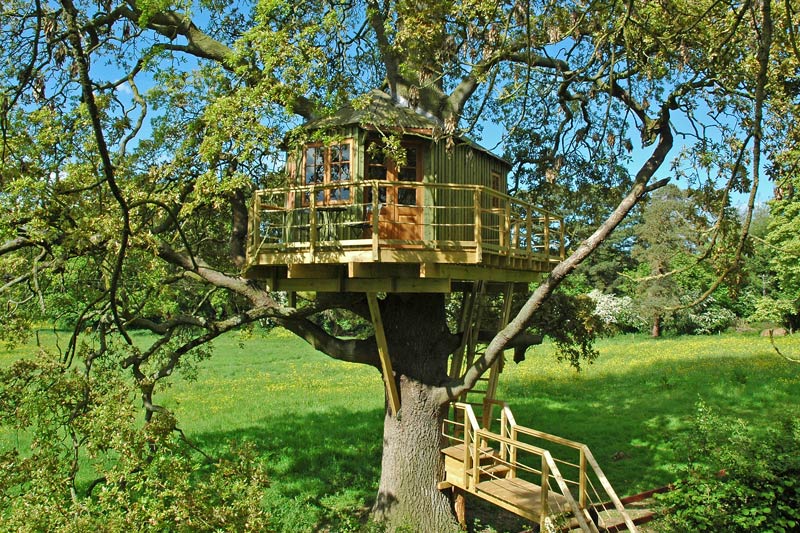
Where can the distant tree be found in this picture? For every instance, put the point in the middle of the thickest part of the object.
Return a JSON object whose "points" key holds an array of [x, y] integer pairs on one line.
{"points": [[781, 303], [666, 238]]}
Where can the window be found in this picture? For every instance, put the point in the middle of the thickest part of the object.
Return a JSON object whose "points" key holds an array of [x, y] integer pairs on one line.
{"points": [[382, 168], [496, 177], [328, 165]]}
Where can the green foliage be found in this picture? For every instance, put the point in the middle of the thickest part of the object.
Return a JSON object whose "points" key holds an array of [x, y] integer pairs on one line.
{"points": [[737, 480], [88, 463], [570, 322], [782, 304]]}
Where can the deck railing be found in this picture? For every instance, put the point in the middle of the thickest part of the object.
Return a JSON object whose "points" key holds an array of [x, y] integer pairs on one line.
{"points": [[446, 217], [569, 464]]}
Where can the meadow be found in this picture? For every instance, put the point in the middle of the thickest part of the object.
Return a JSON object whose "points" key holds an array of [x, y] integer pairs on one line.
{"points": [[318, 422]]}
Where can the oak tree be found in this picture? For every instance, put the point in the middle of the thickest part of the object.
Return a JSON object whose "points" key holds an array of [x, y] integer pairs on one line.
{"points": [[133, 133]]}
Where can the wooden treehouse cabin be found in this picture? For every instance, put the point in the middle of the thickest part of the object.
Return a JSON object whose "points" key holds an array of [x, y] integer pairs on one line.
{"points": [[378, 201], [350, 218]]}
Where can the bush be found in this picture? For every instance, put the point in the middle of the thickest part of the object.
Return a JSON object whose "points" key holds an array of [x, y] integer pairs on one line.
{"points": [[736, 481], [87, 462], [705, 318], [616, 312]]}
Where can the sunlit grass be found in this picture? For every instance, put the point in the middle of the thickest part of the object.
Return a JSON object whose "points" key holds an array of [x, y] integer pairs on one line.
{"points": [[640, 395], [319, 421]]}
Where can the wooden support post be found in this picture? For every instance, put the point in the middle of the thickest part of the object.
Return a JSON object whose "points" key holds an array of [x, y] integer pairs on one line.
{"points": [[376, 214], [460, 507], [383, 353]]}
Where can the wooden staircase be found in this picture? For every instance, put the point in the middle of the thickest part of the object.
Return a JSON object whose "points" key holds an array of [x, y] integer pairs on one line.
{"points": [[549, 480]]}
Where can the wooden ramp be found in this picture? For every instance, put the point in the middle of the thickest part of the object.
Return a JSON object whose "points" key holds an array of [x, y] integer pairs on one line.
{"points": [[561, 490]]}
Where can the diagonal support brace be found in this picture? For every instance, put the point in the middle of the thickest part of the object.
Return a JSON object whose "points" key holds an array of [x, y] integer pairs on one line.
{"points": [[383, 353]]}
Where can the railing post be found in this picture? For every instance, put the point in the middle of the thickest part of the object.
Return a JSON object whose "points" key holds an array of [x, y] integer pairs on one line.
{"points": [[561, 253], [312, 223], [544, 494], [582, 482], [504, 434], [375, 222], [477, 222], [547, 235], [254, 227], [507, 228], [513, 453], [476, 462], [467, 450], [529, 232]]}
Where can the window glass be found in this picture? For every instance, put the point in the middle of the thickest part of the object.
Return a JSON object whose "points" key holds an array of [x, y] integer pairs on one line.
{"points": [[315, 165], [408, 172], [376, 170], [340, 171], [325, 166]]}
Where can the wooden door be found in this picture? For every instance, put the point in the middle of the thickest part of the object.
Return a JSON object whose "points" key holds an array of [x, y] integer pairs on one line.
{"points": [[400, 216]]}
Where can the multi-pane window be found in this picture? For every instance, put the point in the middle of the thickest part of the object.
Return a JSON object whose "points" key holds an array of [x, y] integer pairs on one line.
{"points": [[408, 172], [382, 168], [328, 165]]}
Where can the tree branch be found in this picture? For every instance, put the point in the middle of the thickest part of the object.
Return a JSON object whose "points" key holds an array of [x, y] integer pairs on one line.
{"points": [[517, 326], [351, 350]]}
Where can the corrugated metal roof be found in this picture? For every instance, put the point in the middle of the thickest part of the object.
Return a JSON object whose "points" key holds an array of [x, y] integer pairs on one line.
{"points": [[379, 110], [376, 109]]}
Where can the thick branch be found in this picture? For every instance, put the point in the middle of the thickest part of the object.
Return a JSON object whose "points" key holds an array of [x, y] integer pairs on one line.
{"points": [[517, 326], [215, 277], [351, 350], [15, 244]]}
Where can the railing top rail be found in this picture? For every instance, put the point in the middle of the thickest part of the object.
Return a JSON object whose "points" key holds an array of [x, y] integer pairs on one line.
{"points": [[469, 414], [483, 189], [550, 438]]}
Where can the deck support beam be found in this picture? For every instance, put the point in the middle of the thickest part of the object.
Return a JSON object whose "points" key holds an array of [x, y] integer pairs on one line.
{"points": [[383, 353]]}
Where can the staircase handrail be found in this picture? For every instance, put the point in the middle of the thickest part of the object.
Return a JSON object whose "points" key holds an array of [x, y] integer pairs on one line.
{"points": [[609, 489], [551, 470], [507, 420]]}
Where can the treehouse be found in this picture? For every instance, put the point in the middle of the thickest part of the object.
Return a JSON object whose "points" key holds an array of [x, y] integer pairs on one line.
{"points": [[380, 202], [377, 199]]}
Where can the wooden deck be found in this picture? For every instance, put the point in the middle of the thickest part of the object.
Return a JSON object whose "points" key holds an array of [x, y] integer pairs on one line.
{"points": [[488, 236]]}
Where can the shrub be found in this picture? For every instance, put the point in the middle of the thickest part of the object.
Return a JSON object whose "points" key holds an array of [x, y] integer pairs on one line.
{"points": [[87, 462], [705, 318], [616, 312], [734, 480]]}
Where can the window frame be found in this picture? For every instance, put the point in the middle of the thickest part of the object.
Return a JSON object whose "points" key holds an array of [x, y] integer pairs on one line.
{"points": [[391, 193], [328, 164]]}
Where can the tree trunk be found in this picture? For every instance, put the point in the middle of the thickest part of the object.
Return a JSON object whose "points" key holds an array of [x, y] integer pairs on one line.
{"points": [[408, 498], [655, 332]]}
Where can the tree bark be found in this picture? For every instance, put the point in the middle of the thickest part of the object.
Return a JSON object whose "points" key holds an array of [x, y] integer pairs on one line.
{"points": [[655, 331], [408, 498]]}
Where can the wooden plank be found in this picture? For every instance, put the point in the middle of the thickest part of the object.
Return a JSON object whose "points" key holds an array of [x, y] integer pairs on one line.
{"points": [[520, 497], [316, 271], [362, 285], [383, 270], [383, 352]]}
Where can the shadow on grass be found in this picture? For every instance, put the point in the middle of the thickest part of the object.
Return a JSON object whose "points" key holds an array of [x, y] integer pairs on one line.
{"points": [[324, 467]]}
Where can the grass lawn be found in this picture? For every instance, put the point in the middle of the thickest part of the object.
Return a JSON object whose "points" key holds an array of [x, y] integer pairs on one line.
{"points": [[319, 421]]}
